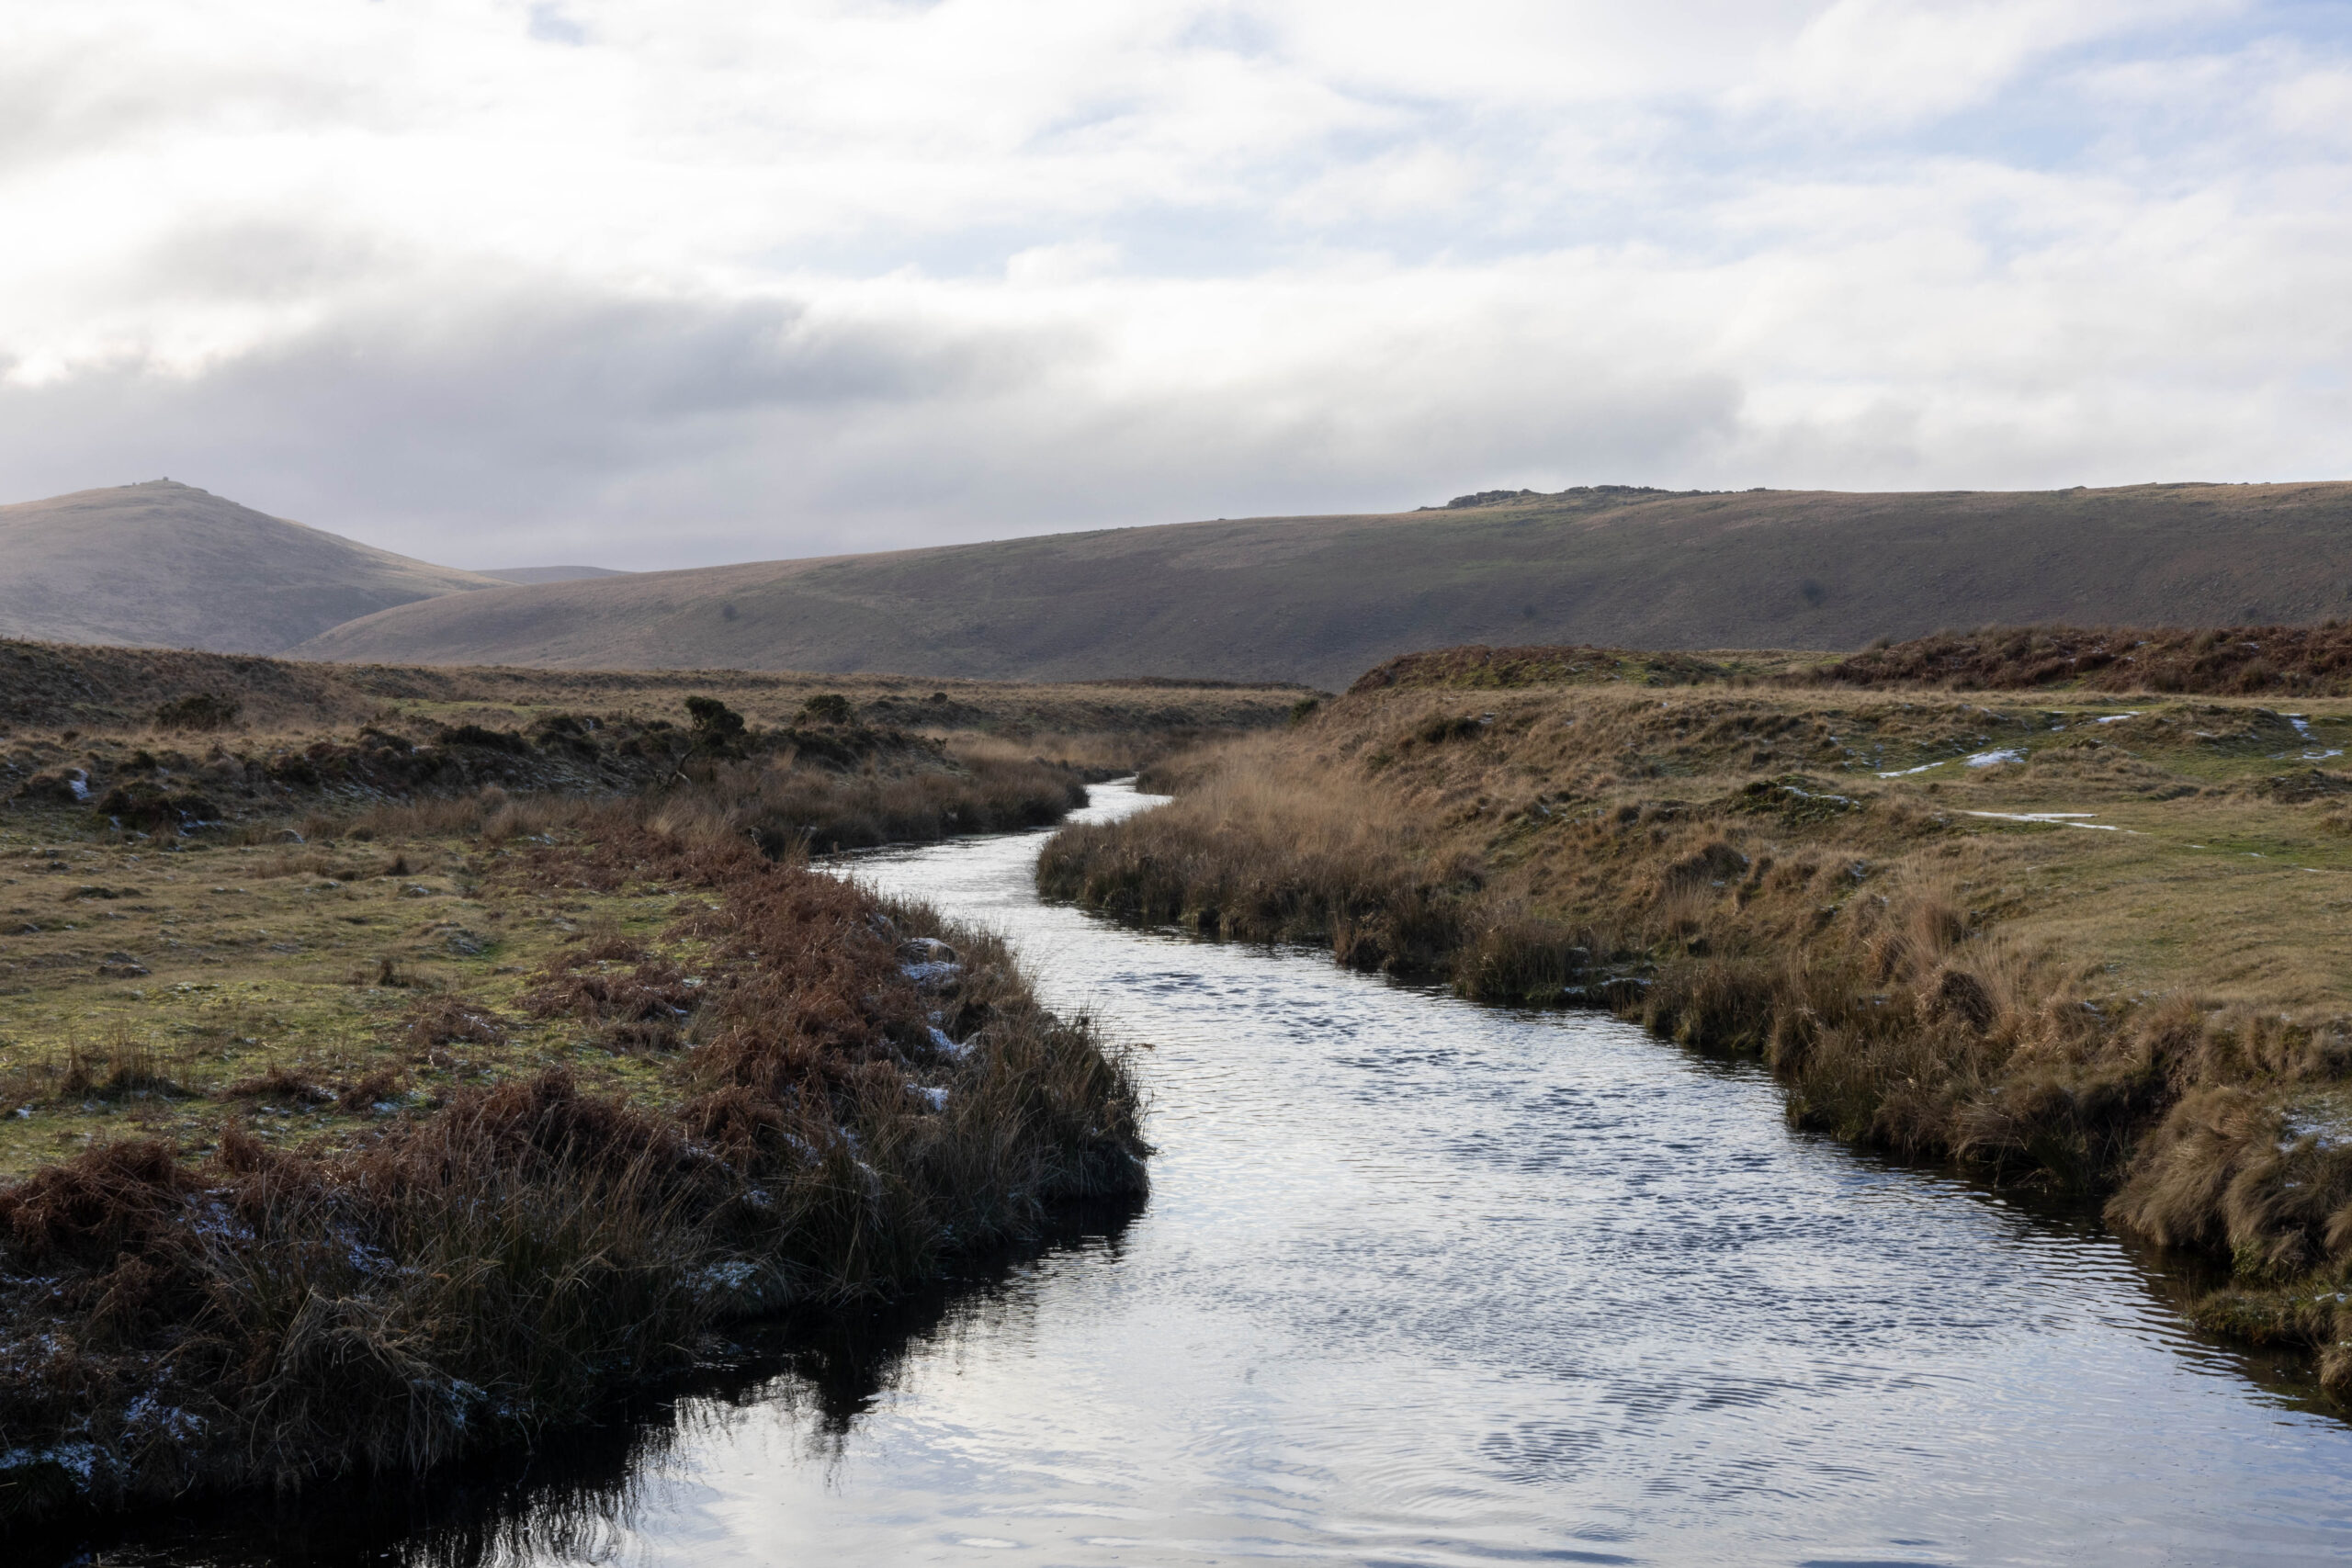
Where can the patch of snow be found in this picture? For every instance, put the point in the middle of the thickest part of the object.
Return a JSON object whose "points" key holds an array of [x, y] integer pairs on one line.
{"points": [[947, 1047], [462, 1397], [2116, 717], [77, 1460], [933, 973], [2323, 1134], [728, 1279], [2055, 818], [1992, 758], [934, 1098], [1907, 772], [367, 1260], [79, 783], [166, 1420]]}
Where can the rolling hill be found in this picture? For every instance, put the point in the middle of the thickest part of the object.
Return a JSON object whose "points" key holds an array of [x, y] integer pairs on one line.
{"points": [[550, 573], [1322, 599], [165, 565]]}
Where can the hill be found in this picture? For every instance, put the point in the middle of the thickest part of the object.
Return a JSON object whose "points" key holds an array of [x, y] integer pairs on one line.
{"points": [[1322, 599], [528, 574], [165, 565]]}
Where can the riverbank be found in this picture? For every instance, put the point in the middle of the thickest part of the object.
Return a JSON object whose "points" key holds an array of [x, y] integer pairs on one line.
{"points": [[2088, 943], [380, 1084], [704, 1085]]}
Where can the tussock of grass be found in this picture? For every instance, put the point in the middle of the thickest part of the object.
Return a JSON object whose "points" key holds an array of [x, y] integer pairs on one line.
{"points": [[264, 1315], [2158, 1015], [2233, 660]]}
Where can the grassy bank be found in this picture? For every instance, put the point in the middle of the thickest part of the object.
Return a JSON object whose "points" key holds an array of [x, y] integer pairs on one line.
{"points": [[136, 744], [444, 1211], [397, 1063], [2082, 940]]}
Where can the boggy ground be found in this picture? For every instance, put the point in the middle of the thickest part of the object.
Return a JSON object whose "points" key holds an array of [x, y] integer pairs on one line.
{"points": [[2090, 942], [381, 1080]]}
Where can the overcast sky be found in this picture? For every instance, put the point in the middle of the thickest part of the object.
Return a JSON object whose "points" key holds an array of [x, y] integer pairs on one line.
{"points": [[657, 285]]}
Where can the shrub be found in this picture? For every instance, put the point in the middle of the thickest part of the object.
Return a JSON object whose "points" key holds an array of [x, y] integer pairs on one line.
{"points": [[488, 739], [715, 723], [828, 707], [198, 711]]}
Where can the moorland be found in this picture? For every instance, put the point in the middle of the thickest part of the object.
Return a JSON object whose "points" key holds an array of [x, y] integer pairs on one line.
{"points": [[1314, 599], [394, 1062], [1322, 599], [2065, 906]]}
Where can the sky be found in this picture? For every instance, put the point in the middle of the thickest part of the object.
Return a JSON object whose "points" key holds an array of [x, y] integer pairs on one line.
{"points": [[647, 286]]}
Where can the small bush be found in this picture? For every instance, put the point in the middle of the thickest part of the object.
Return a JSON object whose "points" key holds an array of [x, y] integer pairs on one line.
{"points": [[715, 723], [198, 711], [828, 707], [488, 739]]}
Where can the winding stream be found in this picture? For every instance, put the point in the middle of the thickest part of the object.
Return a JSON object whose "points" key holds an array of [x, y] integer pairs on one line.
{"points": [[1423, 1283]]}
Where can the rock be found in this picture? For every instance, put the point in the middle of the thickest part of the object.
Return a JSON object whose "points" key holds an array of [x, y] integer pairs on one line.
{"points": [[927, 950]]}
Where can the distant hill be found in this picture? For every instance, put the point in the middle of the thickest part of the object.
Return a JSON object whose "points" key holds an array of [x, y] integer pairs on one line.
{"points": [[530, 574], [1322, 599], [165, 565]]}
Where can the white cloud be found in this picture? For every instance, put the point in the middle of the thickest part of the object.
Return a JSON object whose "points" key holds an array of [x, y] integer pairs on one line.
{"points": [[649, 284]]}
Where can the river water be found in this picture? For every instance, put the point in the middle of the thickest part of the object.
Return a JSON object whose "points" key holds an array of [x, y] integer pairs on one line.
{"points": [[1424, 1283]]}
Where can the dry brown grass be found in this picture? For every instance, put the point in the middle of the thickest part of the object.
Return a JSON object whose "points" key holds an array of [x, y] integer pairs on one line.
{"points": [[2288, 660], [2151, 1014]]}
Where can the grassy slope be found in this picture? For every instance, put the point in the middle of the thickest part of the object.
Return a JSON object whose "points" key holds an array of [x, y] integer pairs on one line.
{"points": [[165, 565], [2155, 1006], [1321, 598]]}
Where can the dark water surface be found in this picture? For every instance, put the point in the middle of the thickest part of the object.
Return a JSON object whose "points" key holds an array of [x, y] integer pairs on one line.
{"points": [[1423, 1283]]}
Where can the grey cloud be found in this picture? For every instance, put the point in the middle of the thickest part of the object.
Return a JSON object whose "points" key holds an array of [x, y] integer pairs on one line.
{"points": [[648, 434], [259, 260], [440, 420], [73, 99]]}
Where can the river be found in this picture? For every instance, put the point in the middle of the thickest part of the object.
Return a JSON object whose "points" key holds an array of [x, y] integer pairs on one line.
{"points": [[1425, 1283]]}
